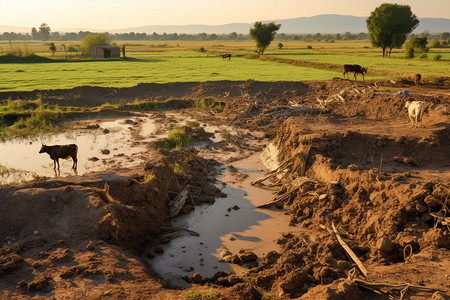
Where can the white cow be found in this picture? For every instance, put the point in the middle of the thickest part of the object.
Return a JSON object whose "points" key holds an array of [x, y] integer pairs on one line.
{"points": [[415, 111]]}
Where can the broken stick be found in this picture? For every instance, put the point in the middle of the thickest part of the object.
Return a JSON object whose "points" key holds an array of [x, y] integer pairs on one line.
{"points": [[349, 251]]}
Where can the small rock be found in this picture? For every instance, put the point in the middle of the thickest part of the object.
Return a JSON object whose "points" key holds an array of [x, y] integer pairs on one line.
{"points": [[196, 278], [129, 121], [106, 131], [105, 151], [323, 197], [353, 167], [90, 246], [248, 257], [53, 199], [385, 245], [36, 232], [93, 158]]}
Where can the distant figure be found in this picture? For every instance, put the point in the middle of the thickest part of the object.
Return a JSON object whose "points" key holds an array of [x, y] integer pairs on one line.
{"points": [[355, 69], [417, 79], [61, 151], [123, 51], [227, 55]]}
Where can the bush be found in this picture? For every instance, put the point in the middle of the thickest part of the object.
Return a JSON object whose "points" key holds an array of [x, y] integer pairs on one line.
{"points": [[202, 50], [280, 46], [437, 57], [424, 55], [309, 47], [435, 44], [177, 137], [93, 40]]}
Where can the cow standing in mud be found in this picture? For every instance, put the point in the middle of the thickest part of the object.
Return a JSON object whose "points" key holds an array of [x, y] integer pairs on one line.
{"points": [[417, 79], [415, 112], [356, 69], [61, 151]]}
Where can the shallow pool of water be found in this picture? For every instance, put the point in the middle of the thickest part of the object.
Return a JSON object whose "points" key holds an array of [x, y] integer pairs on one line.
{"points": [[222, 228], [20, 159]]}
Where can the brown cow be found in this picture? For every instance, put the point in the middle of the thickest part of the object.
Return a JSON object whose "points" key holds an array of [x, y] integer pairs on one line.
{"points": [[356, 69], [227, 55], [61, 151], [417, 79]]}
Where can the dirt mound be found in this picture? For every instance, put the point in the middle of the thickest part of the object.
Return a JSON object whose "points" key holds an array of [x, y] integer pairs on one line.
{"points": [[375, 186]]}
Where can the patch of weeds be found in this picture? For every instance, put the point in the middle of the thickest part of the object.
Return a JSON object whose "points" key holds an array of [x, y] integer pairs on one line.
{"points": [[209, 104], [192, 124], [227, 136], [194, 294], [179, 170], [148, 177], [177, 137]]}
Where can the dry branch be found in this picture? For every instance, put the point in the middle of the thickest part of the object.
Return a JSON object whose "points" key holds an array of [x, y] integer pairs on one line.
{"points": [[350, 251], [177, 203]]}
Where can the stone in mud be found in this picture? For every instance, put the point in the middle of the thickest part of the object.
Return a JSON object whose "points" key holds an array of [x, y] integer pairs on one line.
{"points": [[248, 257], [105, 151], [106, 131], [385, 245], [93, 159], [196, 278]]}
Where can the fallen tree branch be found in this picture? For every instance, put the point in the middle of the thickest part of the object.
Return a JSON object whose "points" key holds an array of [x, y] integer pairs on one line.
{"points": [[177, 203], [350, 251]]}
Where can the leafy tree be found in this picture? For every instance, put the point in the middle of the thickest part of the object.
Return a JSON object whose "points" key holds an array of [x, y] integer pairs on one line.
{"points": [[94, 40], [34, 33], [416, 45], [44, 31], [263, 34], [389, 24], [52, 48]]}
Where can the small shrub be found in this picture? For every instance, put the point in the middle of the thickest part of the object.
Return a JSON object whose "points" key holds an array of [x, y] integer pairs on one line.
{"points": [[202, 50], [309, 47], [179, 170], [280, 46], [437, 57], [177, 137], [423, 55], [208, 103]]}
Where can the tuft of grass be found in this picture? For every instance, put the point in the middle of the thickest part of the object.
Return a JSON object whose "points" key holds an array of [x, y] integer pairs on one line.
{"points": [[177, 137], [194, 294], [209, 104], [179, 170], [192, 124]]}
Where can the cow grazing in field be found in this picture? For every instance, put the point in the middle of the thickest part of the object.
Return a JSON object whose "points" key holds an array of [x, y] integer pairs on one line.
{"points": [[415, 111], [417, 79], [227, 55], [356, 69], [61, 151]]}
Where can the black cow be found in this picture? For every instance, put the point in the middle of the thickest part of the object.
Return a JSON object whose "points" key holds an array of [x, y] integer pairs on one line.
{"points": [[355, 69], [227, 55], [61, 151]]}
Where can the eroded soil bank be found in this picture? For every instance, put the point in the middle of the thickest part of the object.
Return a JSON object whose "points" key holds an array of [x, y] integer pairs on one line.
{"points": [[343, 155]]}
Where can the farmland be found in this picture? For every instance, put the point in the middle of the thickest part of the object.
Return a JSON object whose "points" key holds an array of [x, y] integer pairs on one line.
{"points": [[207, 178], [198, 61]]}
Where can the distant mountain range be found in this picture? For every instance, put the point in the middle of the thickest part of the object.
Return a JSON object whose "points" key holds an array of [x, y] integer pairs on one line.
{"points": [[306, 25]]}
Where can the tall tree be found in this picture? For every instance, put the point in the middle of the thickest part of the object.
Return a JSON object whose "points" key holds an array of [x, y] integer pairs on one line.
{"points": [[34, 33], [389, 25], [263, 34], [44, 31]]}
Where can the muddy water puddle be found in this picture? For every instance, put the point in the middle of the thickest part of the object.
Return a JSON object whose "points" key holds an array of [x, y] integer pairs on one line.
{"points": [[110, 144], [232, 223]]}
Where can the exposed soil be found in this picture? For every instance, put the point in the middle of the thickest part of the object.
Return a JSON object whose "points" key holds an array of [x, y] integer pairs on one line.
{"points": [[347, 157]]}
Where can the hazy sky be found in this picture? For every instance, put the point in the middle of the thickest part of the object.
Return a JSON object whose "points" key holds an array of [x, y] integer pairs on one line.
{"points": [[112, 14]]}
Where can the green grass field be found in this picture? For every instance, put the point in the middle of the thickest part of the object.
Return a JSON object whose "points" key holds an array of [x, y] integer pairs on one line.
{"points": [[182, 62]]}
